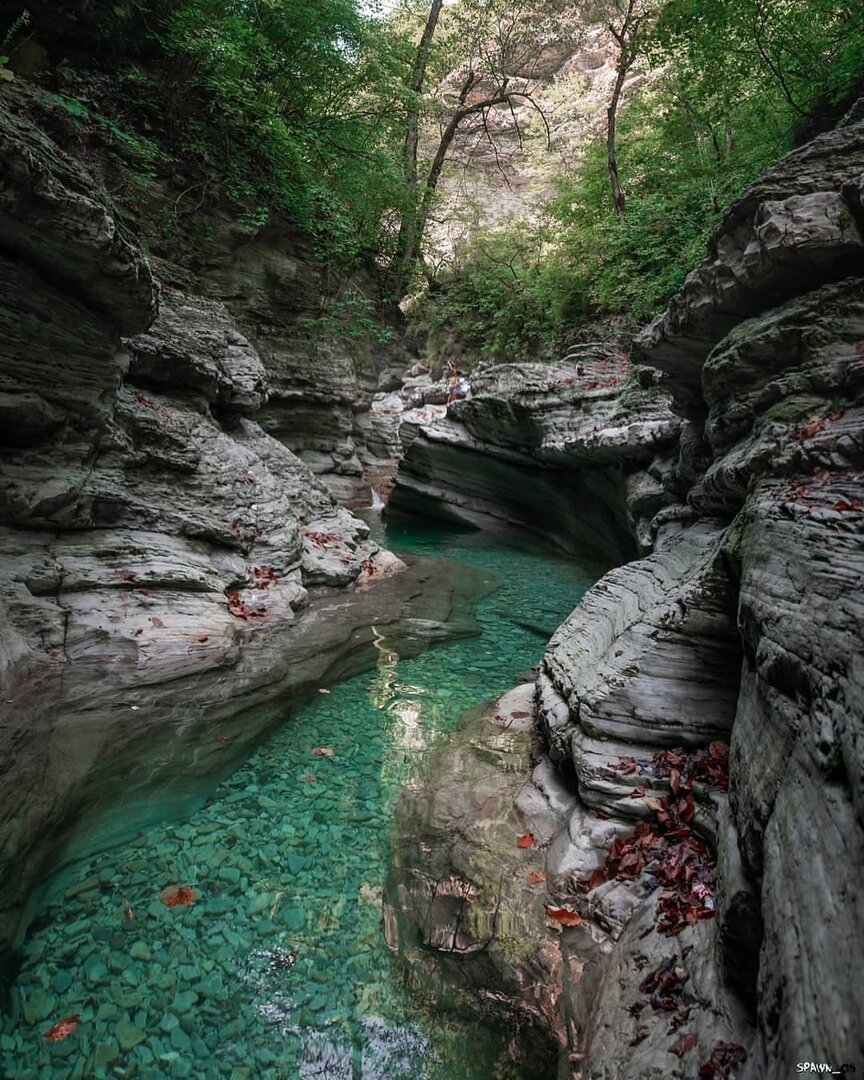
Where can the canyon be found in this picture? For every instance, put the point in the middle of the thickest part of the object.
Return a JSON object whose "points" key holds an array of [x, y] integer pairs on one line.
{"points": [[647, 857]]}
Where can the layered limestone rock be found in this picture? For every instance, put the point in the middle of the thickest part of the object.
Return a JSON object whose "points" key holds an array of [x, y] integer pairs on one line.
{"points": [[576, 453], [742, 625], [297, 314], [171, 575]]}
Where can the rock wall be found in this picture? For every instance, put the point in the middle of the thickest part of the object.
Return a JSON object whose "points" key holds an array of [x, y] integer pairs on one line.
{"points": [[171, 575], [581, 455], [700, 929], [297, 312]]}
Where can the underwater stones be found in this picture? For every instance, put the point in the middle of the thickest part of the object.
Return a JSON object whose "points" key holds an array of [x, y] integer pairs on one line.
{"points": [[128, 1034], [38, 1005], [95, 970], [106, 1052], [139, 951]]}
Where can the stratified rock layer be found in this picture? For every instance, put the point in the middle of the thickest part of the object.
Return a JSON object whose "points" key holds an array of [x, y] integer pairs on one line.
{"points": [[742, 625], [567, 452], [166, 565]]}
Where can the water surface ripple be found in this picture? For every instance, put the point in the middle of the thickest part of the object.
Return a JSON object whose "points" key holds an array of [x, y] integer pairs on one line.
{"points": [[278, 969]]}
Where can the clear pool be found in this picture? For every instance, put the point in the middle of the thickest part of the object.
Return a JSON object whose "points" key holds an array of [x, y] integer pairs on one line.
{"points": [[278, 969]]}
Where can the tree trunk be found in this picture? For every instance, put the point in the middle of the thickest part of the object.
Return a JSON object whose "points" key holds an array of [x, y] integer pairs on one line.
{"points": [[611, 153], [405, 242], [418, 78]]}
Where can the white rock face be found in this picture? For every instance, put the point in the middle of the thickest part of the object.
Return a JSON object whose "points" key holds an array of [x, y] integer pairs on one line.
{"points": [[554, 449]]}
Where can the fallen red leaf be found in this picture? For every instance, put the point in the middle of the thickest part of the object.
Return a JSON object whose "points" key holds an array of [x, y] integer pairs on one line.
{"points": [[323, 751], [624, 765], [62, 1029], [535, 877], [684, 1044], [177, 895], [156, 620], [525, 840], [563, 916], [241, 610], [263, 577], [125, 575], [724, 1061]]}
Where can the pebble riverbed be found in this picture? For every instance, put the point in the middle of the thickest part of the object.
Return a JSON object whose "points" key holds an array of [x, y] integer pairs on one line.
{"points": [[278, 969]]}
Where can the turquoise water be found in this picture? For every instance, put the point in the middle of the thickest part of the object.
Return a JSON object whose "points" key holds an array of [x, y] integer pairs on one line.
{"points": [[278, 969]]}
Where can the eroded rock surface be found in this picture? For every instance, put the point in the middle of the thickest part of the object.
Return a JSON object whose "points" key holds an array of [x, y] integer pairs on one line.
{"points": [[166, 565], [575, 453], [737, 634]]}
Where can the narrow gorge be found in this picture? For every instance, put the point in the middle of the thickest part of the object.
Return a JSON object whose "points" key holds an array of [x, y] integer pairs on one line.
{"points": [[382, 696]]}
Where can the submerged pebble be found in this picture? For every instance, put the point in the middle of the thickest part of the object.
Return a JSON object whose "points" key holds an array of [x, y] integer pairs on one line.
{"points": [[278, 967]]}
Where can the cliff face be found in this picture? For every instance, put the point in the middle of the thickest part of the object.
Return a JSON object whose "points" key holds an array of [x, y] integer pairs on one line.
{"points": [[709, 694], [581, 454], [171, 574]]}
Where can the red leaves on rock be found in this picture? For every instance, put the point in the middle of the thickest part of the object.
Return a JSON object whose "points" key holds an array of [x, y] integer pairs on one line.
{"points": [[241, 610], [526, 840], [709, 765], [177, 895], [320, 539], [684, 1044], [624, 765], [666, 848], [263, 577], [62, 1029], [157, 622], [535, 877], [563, 916], [125, 575], [845, 505], [665, 985], [724, 1061]]}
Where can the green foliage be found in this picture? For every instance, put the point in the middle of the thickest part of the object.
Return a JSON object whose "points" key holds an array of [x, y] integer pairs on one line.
{"points": [[349, 314], [294, 107], [731, 82], [144, 151], [508, 294]]}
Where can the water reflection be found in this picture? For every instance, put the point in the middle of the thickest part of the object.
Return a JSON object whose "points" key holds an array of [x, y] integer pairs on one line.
{"points": [[279, 968]]}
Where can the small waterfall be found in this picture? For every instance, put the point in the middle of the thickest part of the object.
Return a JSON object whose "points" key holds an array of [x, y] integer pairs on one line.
{"points": [[377, 501]]}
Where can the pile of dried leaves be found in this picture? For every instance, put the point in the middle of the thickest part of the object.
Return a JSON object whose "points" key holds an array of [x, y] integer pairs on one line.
{"points": [[666, 987], [320, 539], [723, 1063], [263, 577], [241, 610], [665, 846], [683, 768]]}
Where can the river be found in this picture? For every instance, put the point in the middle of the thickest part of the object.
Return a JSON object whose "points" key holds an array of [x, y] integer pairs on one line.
{"points": [[278, 968]]}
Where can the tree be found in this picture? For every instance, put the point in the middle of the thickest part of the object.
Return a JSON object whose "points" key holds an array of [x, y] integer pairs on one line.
{"points": [[482, 43], [627, 21]]}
